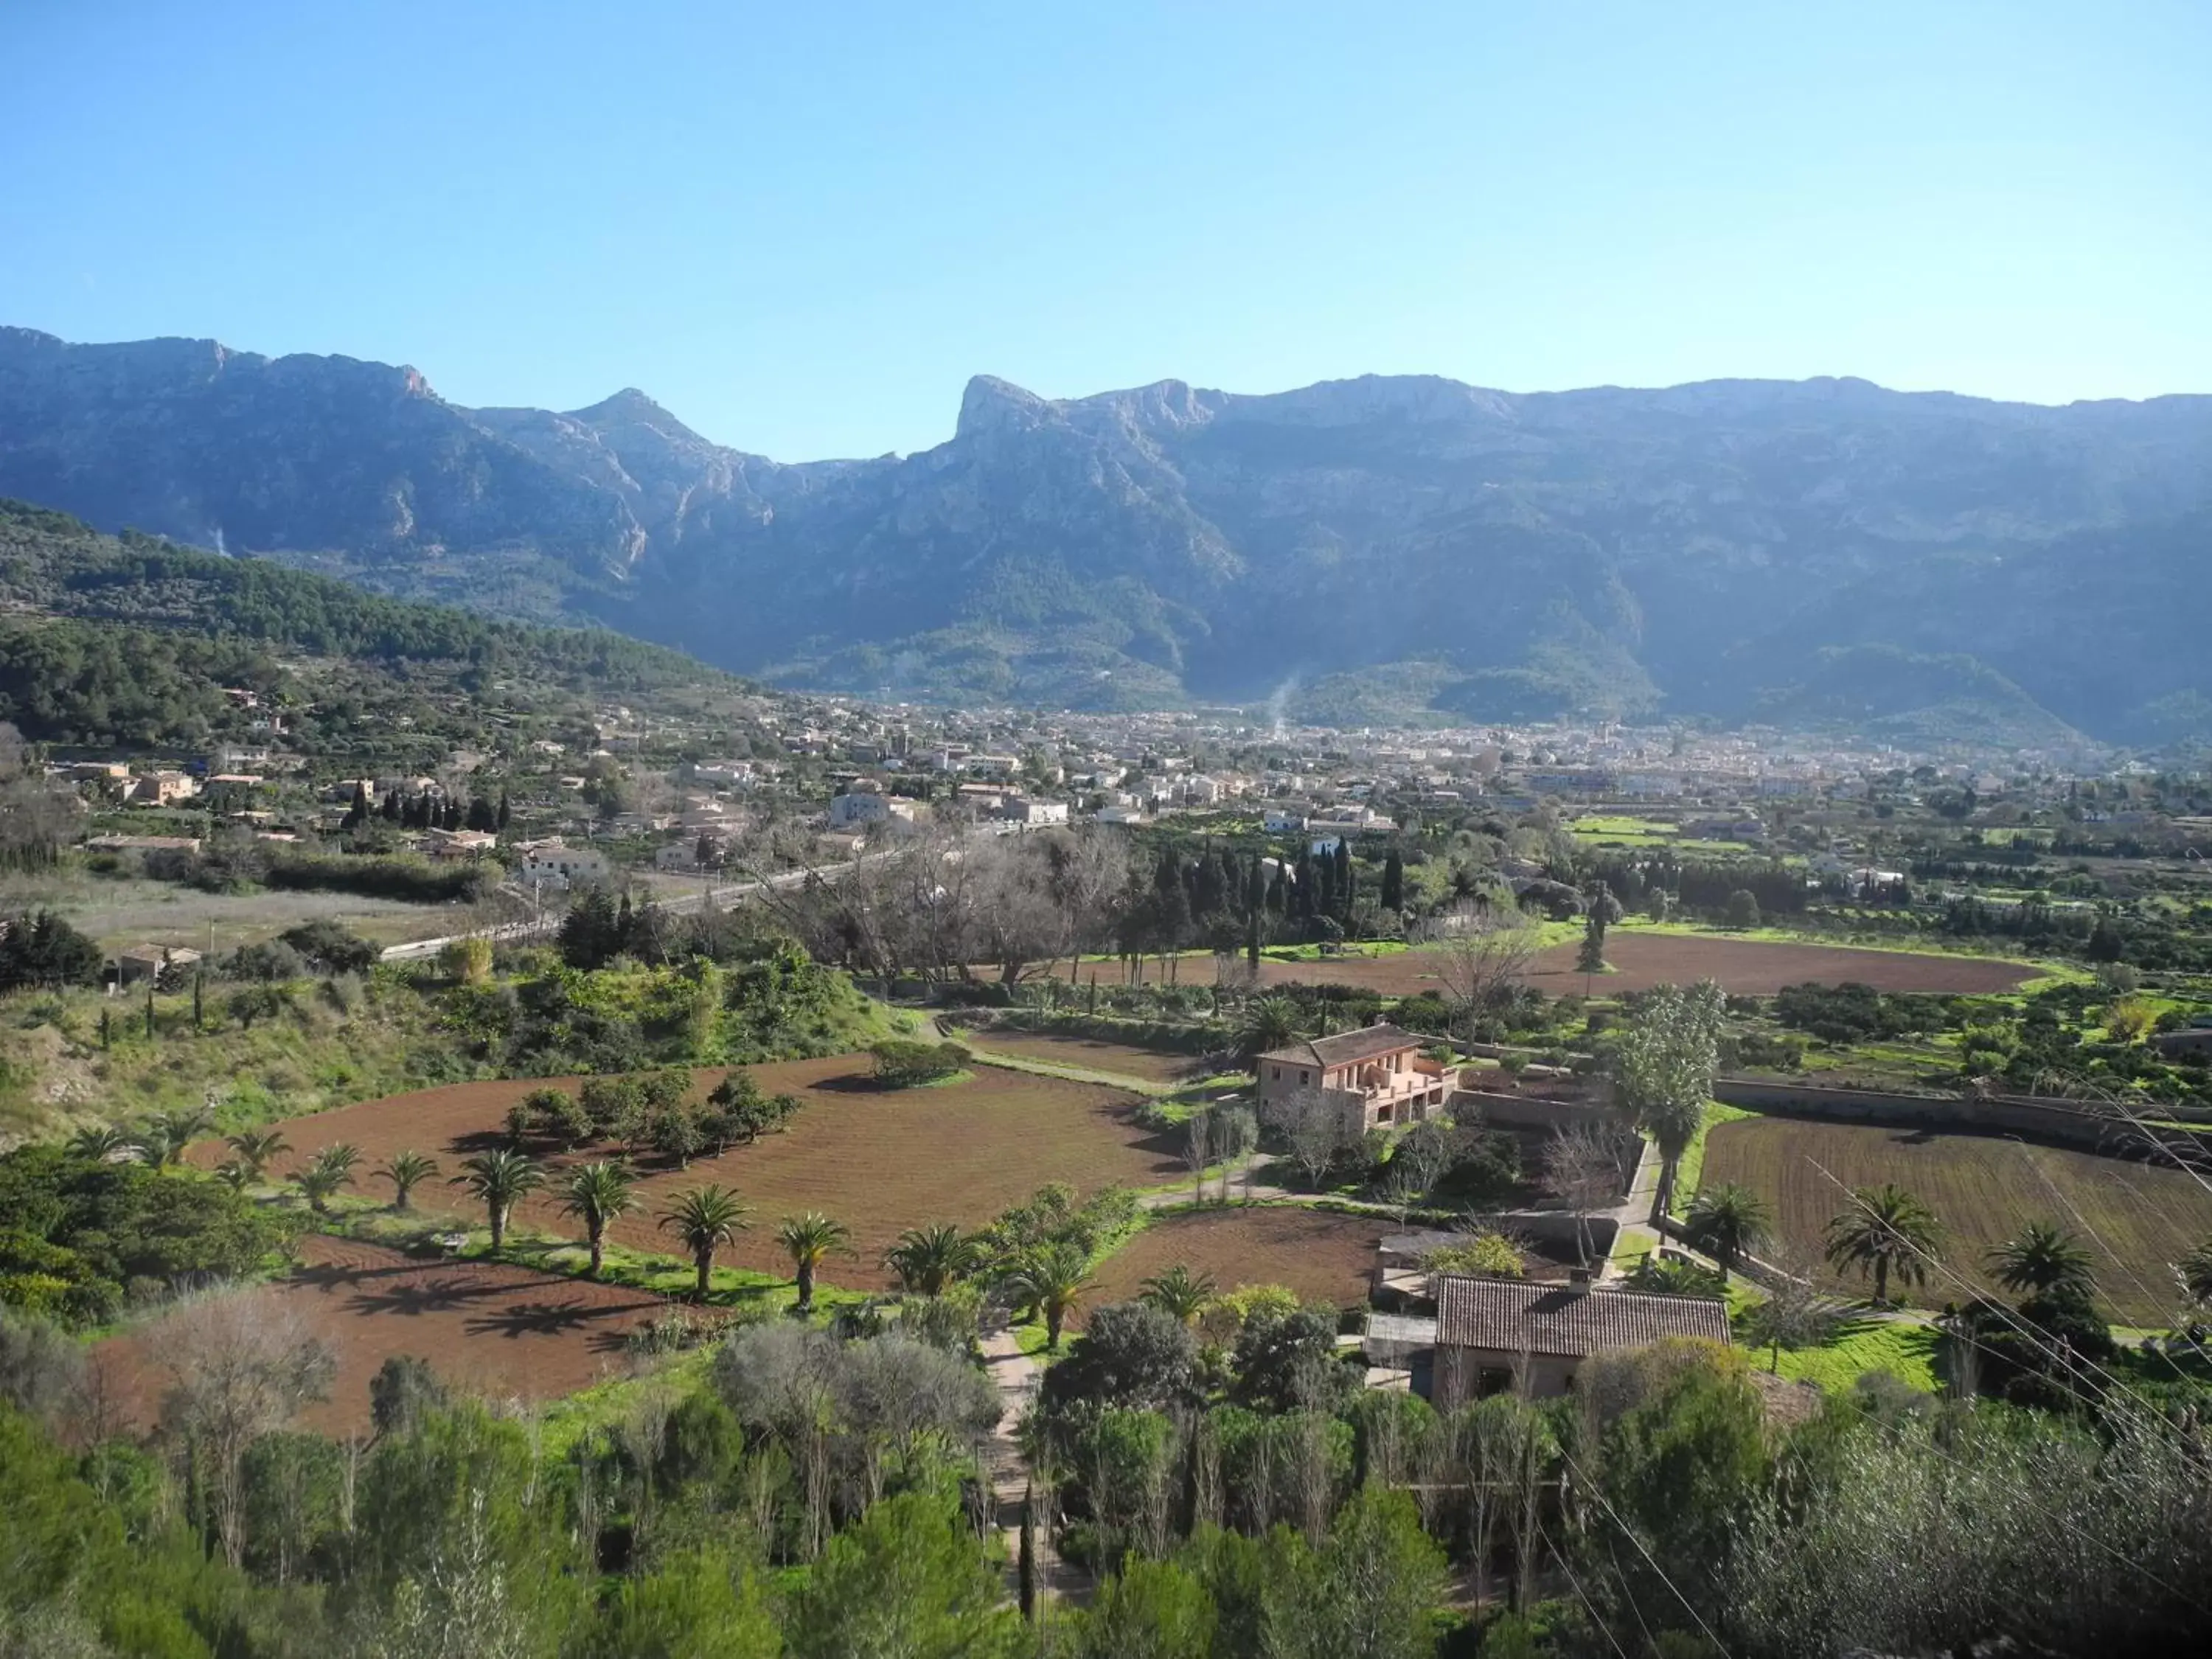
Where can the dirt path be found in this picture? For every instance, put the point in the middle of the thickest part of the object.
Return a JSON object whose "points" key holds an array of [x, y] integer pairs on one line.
{"points": [[1018, 1375]]}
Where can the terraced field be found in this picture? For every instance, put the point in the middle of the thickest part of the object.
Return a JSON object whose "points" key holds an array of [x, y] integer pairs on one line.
{"points": [[880, 1161]]}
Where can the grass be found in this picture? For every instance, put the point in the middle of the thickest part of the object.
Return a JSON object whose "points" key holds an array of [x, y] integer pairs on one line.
{"points": [[1692, 1169], [1053, 1068], [120, 911], [1906, 1351], [575, 1417], [657, 1272], [315, 1055]]}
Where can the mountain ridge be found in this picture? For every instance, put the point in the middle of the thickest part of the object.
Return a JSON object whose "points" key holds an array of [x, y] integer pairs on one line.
{"points": [[1605, 549]]}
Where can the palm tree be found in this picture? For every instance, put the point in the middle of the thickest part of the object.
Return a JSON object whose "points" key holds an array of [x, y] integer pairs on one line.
{"points": [[807, 1239], [599, 1193], [235, 1175], [406, 1171], [1268, 1023], [1178, 1292], [705, 1218], [255, 1147], [317, 1182], [167, 1134], [343, 1156], [1728, 1223], [101, 1143], [1885, 1230], [2195, 1272], [1052, 1278], [928, 1258], [2043, 1256], [499, 1178]]}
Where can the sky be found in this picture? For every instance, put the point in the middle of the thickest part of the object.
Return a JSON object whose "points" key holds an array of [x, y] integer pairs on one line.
{"points": [[802, 226]]}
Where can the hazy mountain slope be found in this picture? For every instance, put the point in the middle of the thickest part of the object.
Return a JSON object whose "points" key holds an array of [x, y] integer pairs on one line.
{"points": [[1691, 548]]}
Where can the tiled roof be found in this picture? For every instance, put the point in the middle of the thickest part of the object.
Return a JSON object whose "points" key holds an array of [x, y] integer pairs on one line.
{"points": [[1346, 1047], [1565, 1320]]}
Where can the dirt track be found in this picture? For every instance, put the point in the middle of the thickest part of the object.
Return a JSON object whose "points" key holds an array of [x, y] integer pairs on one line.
{"points": [[1640, 961]]}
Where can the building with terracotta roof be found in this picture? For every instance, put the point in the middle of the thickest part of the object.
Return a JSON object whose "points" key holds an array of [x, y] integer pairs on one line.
{"points": [[1493, 1335], [1377, 1075]]}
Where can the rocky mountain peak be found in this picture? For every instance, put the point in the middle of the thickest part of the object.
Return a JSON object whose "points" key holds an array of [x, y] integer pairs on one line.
{"points": [[991, 405]]}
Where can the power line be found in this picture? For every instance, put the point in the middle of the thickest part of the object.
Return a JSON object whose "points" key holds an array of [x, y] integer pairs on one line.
{"points": [[1598, 1492]]}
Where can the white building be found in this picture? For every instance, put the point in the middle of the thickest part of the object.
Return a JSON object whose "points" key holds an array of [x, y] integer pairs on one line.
{"points": [[556, 864], [1033, 814]]}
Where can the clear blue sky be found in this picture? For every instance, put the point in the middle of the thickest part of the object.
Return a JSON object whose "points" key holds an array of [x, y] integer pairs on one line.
{"points": [[802, 226]]}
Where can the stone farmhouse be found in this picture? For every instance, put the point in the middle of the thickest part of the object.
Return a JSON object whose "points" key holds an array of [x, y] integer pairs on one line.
{"points": [[1490, 1335], [1377, 1076]]}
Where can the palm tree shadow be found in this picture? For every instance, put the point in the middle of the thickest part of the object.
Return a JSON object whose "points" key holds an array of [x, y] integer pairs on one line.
{"points": [[534, 1319]]}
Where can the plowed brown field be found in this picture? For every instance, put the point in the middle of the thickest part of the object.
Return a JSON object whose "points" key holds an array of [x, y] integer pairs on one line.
{"points": [[2135, 1218], [487, 1329], [880, 1161], [1323, 1256], [1743, 966]]}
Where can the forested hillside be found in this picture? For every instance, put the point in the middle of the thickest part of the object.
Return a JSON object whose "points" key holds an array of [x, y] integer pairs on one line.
{"points": [[130, 640]]}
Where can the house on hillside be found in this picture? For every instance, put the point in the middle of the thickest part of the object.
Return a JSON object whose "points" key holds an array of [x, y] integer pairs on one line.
{"points": [[1377, 1076], [556, 864], [446, 844], [1490, 1335], [136, 964], [160, 788]]}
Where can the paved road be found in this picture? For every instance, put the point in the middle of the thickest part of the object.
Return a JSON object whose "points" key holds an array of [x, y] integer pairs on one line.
{"points": [[682, 904]]}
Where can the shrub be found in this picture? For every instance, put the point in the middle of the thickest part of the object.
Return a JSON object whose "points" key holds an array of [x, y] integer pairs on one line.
{"points": [[901, 1065], [466, 961], [613, 1104], [330, 948], [1485, 1255], [737, 1112]]}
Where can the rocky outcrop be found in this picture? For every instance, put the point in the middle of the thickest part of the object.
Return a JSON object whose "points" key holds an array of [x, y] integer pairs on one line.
{"points": [[1694, 547]]}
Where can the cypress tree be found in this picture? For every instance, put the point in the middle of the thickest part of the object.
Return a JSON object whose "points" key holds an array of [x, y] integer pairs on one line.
{"points": [[1028, 1565], [503, 811], [1394, 882]]}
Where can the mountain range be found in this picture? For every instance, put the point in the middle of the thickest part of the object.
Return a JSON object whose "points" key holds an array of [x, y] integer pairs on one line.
{"points": [[1823, 552]]}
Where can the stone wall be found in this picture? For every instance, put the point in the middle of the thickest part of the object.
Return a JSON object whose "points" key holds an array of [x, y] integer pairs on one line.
{"points": [[2086, 1125]]}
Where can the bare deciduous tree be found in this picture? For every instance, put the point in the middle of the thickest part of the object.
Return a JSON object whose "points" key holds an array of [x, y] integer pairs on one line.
{"points": [[1582, 1171], [1483, 961], [1312, 1126], [1198, 1150], [243, 1364]]}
